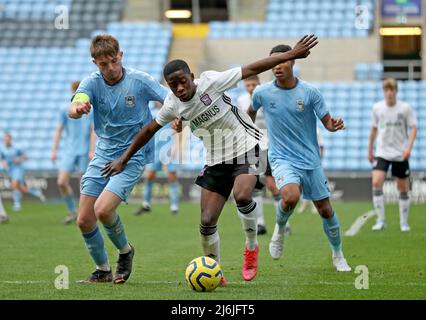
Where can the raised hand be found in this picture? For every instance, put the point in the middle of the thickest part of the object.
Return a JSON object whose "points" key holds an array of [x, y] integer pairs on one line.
{"points": [[301, 49]]}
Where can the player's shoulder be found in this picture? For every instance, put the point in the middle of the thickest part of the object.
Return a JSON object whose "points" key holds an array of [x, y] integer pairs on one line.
{"points": [[404, 105], [308, 86], [260, 89], [379, 105], [139, 75]]}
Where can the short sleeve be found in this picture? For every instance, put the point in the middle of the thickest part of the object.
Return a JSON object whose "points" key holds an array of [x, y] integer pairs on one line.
{"points": [[256, 103], [411, 117], [223, 81], [374, 118], [154, 90], [86, 86], [319, 104], [167, 112]]}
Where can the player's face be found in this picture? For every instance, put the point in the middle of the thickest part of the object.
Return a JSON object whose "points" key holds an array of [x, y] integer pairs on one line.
{"points": [[390, 96], [250, 85], [182, 85], [110, 67], [284, 70], [7, 140]]}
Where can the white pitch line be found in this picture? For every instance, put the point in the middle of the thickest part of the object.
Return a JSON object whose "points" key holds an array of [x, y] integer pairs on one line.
{"points": [[25, 282], [359, 222]]}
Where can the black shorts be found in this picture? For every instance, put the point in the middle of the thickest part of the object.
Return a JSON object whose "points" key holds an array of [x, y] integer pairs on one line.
{"points": [[220, 177], [400, 169]]}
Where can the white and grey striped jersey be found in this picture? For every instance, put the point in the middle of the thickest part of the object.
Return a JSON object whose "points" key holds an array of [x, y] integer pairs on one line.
{"points": [[226, 131]]}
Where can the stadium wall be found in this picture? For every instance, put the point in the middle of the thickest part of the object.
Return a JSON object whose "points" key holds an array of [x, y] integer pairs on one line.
{"points": [[332, 60], [344, 188]]}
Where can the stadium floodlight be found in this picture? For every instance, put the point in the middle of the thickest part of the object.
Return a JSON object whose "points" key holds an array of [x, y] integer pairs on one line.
{"points": [[178, 14], [401, 31]]}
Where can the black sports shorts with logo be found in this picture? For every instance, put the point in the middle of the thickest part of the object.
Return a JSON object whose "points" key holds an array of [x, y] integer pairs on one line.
{"points": [[400, 169], [220, 177]]}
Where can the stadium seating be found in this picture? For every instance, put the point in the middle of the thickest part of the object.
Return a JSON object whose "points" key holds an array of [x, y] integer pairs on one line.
{"points": [[36, 81], [293, 18]]}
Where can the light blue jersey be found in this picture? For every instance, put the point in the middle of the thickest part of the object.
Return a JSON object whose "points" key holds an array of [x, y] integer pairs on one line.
{"points": [[15, 171], [291, 120], [77, 131], [121, 110]]}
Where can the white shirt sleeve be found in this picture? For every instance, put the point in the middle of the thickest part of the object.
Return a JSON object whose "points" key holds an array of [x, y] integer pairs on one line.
{"points": [[167, 112], [411, 117], [374, 118], [223, 81]]}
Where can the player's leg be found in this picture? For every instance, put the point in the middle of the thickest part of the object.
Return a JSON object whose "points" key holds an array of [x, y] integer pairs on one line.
{"points": [[16, 195], [244, 185], [315, 187], [67, 195], [147, 188], [93, 239], [378, 176], [272, 187], [211, 206], [401, 171], [258, 198], [116, 191], [173, 190], [3, 215]]}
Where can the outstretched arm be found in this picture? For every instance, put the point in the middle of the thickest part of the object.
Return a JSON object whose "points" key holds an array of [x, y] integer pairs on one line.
{"points": [[300, 51], [145, 134]]}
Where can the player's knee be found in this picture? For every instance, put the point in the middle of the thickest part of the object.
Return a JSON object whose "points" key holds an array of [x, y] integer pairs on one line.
{"points": [[325, 211], [290, 200], [102, 212], [377, 184], [208, 218], [84, 224], [62, 184], [243, 197]]}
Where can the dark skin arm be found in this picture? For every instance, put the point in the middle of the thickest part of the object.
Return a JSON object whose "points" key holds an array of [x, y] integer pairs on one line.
{"points": [[300, 51], [145, 134], [332, 124], [252, 113]]}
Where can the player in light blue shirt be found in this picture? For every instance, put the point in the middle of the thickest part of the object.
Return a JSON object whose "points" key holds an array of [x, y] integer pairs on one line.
{"points": [[167, 150], [79, 149], [119, 97], [13, 159], [291, 108]]}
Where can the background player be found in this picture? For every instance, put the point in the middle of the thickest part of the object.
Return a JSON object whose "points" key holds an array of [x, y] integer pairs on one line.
{"points": [[231, 158], [13, 159], [79, 149], [167, 148], [120, 98], [291, 107], [390, 122], [244, 102]]}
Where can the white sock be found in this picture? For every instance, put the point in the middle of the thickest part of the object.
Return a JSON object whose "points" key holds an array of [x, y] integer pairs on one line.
{"points": [[259, 210], [404, 207], [2, 211], [379, 204], [125, 250], [211, 245], [249, 221], [104, 267]]}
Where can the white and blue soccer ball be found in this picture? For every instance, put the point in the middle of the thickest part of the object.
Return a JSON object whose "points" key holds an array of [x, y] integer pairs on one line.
{"points": [[203, 274]]}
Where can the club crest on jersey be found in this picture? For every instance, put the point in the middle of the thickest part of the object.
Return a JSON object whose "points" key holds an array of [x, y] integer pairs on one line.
{"points": [[300, 105], [206, 99], [130, 101]]}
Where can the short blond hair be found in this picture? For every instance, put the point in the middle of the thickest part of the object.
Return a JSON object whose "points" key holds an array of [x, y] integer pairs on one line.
{"points": [[104, 45], [390, 83]]}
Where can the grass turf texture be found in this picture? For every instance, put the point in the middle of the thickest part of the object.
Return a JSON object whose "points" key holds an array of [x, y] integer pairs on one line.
{"points": [[35, 242]]}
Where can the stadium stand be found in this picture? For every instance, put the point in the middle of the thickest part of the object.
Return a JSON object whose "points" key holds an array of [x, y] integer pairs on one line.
{"points": [[36, 75], [295, 18]]}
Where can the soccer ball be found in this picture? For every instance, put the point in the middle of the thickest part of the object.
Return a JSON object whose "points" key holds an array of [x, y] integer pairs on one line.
{"points": [[203, 274]]}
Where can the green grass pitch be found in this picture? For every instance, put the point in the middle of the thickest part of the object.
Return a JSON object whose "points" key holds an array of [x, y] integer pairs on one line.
{"points": [[35, 242]]}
